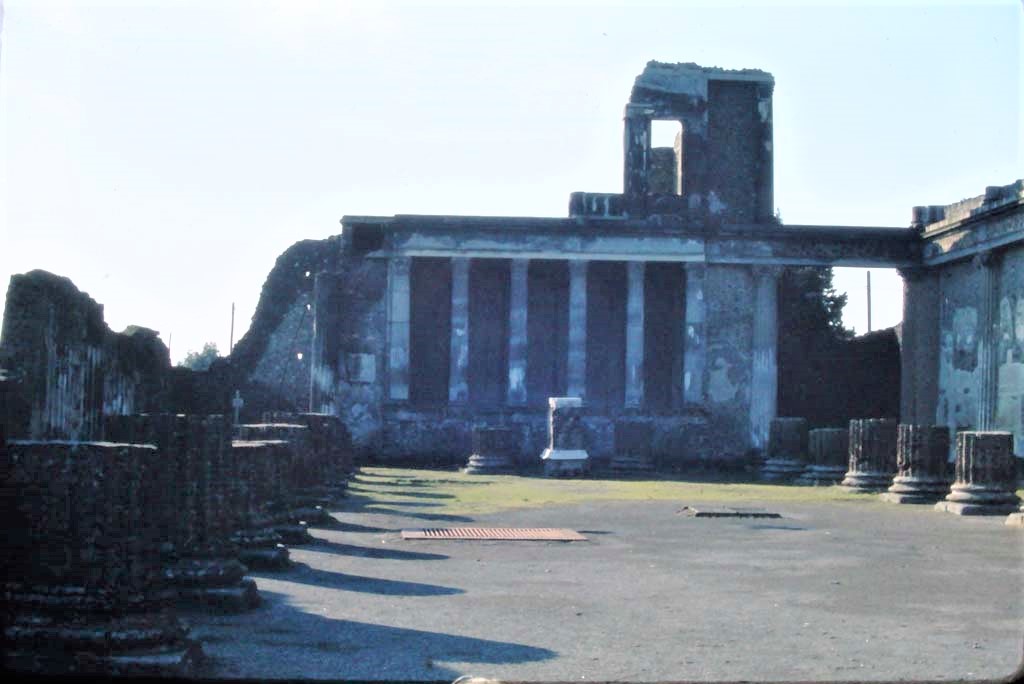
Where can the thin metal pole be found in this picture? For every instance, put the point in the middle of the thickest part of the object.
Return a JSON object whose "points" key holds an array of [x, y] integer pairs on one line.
{"points": [[231, 340], [869, 301]]}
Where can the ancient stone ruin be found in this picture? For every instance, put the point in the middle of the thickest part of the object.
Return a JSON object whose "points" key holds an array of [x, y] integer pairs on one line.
{"points": [[640, 330]]}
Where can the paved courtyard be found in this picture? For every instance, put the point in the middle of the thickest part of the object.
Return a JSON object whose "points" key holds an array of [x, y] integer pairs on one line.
{"points": [[839, 588]]}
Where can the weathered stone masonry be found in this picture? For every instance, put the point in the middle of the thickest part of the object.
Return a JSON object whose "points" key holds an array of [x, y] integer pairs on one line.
{"points": [[659, 304]]}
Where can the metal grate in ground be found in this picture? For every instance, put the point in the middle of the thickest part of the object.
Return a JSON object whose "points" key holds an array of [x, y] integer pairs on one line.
{"points": [[496, 533]]}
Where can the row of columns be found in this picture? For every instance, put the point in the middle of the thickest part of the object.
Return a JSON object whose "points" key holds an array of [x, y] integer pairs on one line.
{"points": [[692, 334]]}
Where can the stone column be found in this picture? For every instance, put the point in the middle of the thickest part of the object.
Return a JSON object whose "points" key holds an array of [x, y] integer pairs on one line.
{"points": [[693, 336], [988, 339], [922, 455], [829, 452], [84, 590], [517, 340], [919, 349], [764, 382], [398, 328], [787, 449], [577, 362], [566, 453], [872, 455], [324, 352], [458, 385], [494, 450], [986, 475], [634, 334]]}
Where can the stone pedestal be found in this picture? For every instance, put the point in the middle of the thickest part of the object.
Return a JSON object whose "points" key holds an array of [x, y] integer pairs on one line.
{"points": [[922, 454], [787, 449], [632, 447], [494, 451], [566, 453], [204, 495], [872, 455], [83, 588], [829, 453], [986, 475]]}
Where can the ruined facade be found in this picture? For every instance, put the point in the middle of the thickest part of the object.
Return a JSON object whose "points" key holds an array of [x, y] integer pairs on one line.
{"points": [[658, 303]]}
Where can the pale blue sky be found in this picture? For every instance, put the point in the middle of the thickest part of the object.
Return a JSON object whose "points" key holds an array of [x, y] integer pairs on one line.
{"points": [[163, 154]]}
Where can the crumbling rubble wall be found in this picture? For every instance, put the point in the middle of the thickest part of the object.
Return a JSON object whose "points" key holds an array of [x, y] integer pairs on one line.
{"points": [[270, 364], [65, 368]]}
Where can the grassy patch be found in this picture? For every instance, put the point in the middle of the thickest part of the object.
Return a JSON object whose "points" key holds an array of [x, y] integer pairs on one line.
{"points": [[460, 494]]}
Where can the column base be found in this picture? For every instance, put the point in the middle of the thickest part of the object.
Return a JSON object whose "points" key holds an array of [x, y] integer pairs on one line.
{"points": [[237, 598], [274, 557], [782, 469], [964, 499], [912, 490], [961, 508], [821, 475], [560, 462], [484, 465], [311, 515], [294, 534], [623, 464], [866, 482], [134, 645]]}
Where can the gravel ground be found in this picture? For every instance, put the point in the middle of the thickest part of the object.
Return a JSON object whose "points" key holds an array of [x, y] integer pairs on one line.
{"points": [[841, 591]]}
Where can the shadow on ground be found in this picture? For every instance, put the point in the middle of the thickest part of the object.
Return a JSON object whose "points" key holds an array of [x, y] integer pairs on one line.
{"points": [[326, 546], [301, 573], [269, 643]]}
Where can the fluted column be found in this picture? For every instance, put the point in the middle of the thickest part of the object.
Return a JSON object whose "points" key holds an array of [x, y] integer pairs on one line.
{"points": [[988, 339], [517, 336], [764, 382], [986, 475], [398, 328], [922, 456], [828, 450], [634, 334], [458, 386], [693, 336], [577, 362], [872, 454], [787, 449]]}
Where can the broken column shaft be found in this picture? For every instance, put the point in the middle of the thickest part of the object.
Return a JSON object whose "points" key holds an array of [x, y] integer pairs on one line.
{"points": [[828, 450], [986, 475], [922, 453], [872, 455], [494, 450], [84, 588], [200, 558], [787, 449]]}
